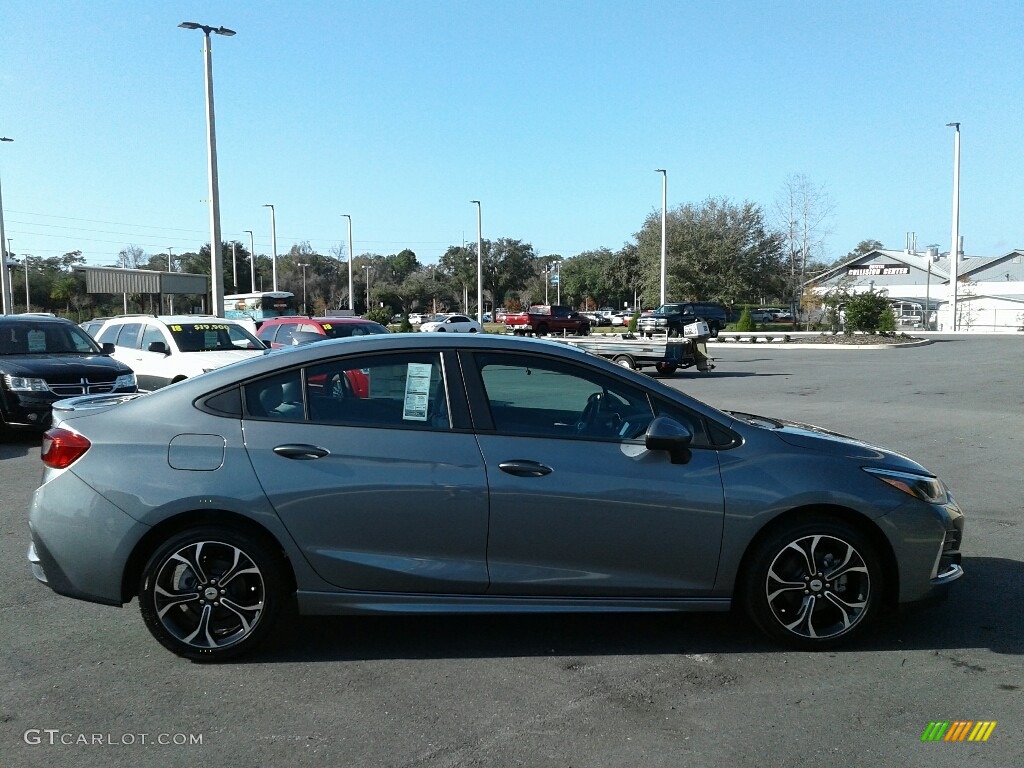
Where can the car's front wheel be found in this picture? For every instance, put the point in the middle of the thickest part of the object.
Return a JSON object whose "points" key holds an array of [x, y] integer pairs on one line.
{"points": [[814, 584], [212, 593]]}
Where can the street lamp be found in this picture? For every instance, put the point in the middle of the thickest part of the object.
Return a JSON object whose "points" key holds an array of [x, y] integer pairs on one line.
{"points": [[5, 275], [170, 268], [28, 305], [303, 287], [252, 262], [558, 283], [351, 300], [273, 241], [216, 261], [954, 251], [479, 263], [367, 268], [547, 279], [664, 228]]}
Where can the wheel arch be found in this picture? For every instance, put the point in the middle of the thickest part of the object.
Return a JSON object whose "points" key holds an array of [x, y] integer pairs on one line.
{"points": [[799, 515], [149, 543]]}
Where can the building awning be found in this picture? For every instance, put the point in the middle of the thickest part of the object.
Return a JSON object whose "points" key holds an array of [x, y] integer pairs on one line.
{"points": [[114, 280]]}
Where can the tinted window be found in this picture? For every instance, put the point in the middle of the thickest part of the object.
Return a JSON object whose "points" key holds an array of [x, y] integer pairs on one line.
{"points": [[344, 330], [277, 397], [548, 398], [43, 338], [129, 335], [151, 334], [212, 337]]}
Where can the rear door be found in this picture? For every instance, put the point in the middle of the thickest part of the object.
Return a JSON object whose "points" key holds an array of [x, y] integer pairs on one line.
{"points": [[374, 483]]}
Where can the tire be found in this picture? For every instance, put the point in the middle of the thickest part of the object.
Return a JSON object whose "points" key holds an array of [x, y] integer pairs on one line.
{"points": [[625, 361], [472, 330], [583, 330], [820, 607], [665, 369], [542, 330], [192, 614], [442, 330]]}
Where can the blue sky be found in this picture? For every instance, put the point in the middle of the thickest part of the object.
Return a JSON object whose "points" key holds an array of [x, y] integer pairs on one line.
{"points": [[553, 114]]}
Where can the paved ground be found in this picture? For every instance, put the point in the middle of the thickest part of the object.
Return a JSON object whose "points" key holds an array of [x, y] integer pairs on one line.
{"points": [[579, 691]]}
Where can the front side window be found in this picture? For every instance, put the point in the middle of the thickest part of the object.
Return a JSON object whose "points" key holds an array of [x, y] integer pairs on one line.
{"points": [[344, 330], [550, 398]]}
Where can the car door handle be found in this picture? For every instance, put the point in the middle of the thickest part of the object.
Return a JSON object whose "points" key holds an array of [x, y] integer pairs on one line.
{"points": [[524, 468], [302, 452]]}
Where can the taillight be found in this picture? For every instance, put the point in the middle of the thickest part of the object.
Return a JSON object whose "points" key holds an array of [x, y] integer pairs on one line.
{"points": [[62, 447]]}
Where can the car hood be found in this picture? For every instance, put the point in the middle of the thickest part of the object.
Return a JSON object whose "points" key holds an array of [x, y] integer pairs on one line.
{"points": [[63, 365], [825, 441]]}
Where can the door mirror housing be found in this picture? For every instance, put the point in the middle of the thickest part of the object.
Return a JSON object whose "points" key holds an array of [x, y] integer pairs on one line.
{"points": [[158, 346], [107, 347], [667, 434]]}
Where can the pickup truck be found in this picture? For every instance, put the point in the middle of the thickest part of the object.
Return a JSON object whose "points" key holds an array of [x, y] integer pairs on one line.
{"points": [[542, 319]]}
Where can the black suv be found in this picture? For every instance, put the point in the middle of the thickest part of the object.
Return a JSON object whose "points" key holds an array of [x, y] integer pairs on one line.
{"points": [[670, 318], [43, 359]]}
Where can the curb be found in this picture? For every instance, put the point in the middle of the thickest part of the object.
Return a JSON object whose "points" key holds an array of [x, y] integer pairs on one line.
{"points": [[791, 345]]}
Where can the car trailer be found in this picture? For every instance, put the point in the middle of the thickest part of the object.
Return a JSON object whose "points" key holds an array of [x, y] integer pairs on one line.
{"points": [[665, 355]]}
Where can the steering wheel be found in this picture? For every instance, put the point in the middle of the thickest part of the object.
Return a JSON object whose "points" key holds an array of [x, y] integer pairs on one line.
{"points": [[598, 417]]}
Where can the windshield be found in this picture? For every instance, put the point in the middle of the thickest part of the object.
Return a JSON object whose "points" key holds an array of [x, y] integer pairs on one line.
{"points": [[212, 337], [344, 330], [45, 339], [670, 309]]}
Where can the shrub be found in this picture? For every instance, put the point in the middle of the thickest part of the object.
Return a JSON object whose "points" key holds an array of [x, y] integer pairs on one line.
{"points": [[380, 315], [746, 322], [633, 321], [864, 311]]}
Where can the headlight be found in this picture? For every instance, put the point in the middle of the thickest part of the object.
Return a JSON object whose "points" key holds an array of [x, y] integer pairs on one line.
{"points": [[662, 322], [24, 384], [928, 489], [125, 380]]}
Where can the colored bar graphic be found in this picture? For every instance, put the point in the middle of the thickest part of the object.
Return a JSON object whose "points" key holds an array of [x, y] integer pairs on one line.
{"points": [[958, 730]]}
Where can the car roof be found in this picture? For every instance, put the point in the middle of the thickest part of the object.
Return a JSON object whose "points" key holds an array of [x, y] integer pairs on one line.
{"points": [[342, 320], [34, 318], [176, 319]]}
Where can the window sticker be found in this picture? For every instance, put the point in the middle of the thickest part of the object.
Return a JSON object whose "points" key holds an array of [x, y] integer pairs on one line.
{"points": [[417, 391], [37, 341]]}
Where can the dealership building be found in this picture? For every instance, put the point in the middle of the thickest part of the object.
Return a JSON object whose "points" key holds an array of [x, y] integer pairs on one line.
{"points": [[989, 297]]}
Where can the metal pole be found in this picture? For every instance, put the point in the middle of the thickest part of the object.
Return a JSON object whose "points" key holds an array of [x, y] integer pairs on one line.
{"points": [[954, 251], [252, 263], [558, 284], [664, 229], [234, 269], [216, 256], [479, 263], [547, 279], [367, 268], [28, 305], [351, 298], [5, 273], [170, 268], [273, 241]]}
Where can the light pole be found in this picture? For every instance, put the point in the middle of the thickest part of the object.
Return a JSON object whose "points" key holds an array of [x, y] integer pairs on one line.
{"points": [[252, 262], [351, 299], [170, 268], [367, 268], [954, 251], [303, 287], [479, 263], [547, 279], [558, 283], [216, 257], [664, 228], [28, 305], [5, 275], [273, 241], [234, 268]]}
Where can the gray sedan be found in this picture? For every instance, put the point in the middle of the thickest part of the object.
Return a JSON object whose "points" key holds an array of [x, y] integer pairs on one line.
{"points": [[471, 473]]}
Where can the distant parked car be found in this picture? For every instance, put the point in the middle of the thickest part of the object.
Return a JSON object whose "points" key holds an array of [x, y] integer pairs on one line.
{"points": [[283, 331], [92, 327], [43, 359], [452, 324], [417, 318], [168, 348]]}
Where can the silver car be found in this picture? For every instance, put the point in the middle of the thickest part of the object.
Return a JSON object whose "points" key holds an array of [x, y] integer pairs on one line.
{"points": [[464, 474]]}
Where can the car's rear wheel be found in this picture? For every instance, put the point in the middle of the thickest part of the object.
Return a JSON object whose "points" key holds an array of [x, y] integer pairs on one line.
{"points": [[625, 361], [814, 584], [542, 330], [212, 593]]}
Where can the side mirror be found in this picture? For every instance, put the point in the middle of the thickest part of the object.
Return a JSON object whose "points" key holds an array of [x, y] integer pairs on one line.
{"points": [[666, 434], [107, 347], [158, 346]]}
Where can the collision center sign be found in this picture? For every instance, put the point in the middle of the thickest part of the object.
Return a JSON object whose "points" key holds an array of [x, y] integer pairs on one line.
{"points": [[873, 270]]}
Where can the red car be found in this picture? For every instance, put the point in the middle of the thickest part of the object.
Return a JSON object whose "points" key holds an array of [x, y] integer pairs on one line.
{"points": [[289, 331]]}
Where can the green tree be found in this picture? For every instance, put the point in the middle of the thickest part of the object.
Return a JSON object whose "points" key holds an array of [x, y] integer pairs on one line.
{"points": [[507, 265], [717, 251]]}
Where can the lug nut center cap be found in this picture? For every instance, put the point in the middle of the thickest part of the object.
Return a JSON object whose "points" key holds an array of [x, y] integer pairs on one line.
{"points": [[816, 585], [210, 593]]}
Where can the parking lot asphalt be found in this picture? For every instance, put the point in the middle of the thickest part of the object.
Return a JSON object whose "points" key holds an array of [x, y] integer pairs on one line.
{"points": [[85, 685]]}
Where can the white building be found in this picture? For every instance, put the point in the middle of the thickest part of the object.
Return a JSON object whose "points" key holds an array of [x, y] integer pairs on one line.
{"points": [[990, 291]]}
